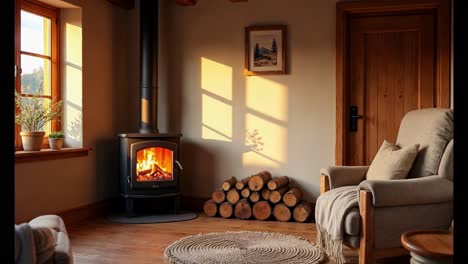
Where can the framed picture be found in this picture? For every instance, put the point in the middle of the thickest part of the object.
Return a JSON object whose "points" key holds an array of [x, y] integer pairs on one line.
{"points": [[265, 50]]}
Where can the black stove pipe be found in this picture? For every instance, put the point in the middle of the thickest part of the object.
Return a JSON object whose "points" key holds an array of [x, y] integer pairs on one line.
{"points": [[148, 66]]}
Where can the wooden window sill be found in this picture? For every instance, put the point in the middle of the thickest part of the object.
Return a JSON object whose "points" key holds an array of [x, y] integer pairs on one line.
{"points": [[49, 154]]}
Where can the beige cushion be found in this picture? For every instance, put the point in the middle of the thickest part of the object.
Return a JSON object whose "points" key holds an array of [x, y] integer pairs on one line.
{"points": [[446, 163], [432, 129], [391, 162]]}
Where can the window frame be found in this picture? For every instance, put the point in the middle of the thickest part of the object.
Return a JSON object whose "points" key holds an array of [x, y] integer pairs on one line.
{"points": [[53, 13]]}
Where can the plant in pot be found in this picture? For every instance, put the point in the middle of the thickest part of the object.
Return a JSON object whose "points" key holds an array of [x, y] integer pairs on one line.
{"points": [[56, 140], [33, 115]]}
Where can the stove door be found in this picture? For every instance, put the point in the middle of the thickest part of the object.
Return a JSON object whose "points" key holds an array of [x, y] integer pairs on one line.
{"points": [[152, 164]]}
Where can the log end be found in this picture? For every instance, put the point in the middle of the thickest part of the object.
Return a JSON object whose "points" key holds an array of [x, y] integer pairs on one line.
{"points": [[225, 210], [210, 208], [271, 185], [282, 212]]}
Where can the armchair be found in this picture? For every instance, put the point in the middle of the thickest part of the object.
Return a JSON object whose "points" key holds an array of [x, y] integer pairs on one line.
{"points": [[44, 239], [388, 208]]}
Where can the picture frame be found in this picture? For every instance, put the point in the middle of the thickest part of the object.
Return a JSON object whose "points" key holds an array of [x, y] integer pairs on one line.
{"points": [[265, 50]]}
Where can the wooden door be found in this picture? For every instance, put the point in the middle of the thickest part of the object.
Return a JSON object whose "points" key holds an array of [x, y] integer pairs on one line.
{"points": [[392, 67]]}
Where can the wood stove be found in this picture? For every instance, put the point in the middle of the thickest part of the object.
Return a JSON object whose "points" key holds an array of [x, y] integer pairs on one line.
{"points": [[149, 160], [149, 167]]}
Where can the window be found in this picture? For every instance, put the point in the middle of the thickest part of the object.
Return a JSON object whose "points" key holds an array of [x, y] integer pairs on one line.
{"points": [[36, 54]]}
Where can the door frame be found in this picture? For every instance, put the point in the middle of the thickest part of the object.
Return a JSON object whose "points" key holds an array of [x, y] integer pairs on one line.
{"points": [[344, 11]]}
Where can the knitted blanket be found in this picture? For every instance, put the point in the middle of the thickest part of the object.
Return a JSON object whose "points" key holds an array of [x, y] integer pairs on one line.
{"points": [[330, 211]]}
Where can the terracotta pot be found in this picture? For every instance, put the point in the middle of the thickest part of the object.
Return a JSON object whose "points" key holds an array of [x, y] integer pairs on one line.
{"points": [[32, 141], [56, 143]]}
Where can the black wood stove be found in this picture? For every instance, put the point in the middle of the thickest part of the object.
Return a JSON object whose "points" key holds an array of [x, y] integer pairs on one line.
{"points": [[149, 160]]}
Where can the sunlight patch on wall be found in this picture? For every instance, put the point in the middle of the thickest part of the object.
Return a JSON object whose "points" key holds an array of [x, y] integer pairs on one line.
{"points": [[267, 97], [73, 82], [274, 148], [216, 89], [73, 85], [256, 160], [73, 127], [216, 119], [73, 50], [216, 78], [210, 133]]}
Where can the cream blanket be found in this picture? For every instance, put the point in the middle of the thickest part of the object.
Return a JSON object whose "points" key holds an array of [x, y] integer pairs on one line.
{"points": [[330, 211]]}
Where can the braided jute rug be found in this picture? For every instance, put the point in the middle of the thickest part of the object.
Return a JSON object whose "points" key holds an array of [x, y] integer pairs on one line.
{"points": [[243, 247]]}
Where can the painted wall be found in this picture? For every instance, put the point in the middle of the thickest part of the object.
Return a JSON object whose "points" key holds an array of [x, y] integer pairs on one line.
{"points": [[234, 125], [52, 186]]}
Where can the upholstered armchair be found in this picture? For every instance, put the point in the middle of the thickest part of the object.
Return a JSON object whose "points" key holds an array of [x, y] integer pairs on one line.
{"points": [[388, 208], [44, 239]]}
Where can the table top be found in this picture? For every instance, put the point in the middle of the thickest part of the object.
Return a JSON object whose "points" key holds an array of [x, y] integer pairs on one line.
{"points": [[430, 243]]}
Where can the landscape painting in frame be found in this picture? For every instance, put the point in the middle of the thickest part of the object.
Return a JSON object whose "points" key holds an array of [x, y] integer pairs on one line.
{"points": [[265, 50]]}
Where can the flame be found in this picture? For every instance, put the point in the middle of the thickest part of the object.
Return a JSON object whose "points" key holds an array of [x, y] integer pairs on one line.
{"points": [[154, 164]]}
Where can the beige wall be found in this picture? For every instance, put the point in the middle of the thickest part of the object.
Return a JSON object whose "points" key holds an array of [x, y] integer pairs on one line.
{"points": [[52, 186], [213, 104]]}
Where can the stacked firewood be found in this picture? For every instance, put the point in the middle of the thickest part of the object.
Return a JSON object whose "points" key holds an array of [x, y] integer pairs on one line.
{"points": [[259, 197]]}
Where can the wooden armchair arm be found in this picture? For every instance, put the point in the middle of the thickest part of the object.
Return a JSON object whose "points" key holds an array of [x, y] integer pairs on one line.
{"points": [[324, 183]]}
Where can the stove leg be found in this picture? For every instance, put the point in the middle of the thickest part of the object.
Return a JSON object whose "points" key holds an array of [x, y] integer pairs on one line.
{"points": [[129, 203]]}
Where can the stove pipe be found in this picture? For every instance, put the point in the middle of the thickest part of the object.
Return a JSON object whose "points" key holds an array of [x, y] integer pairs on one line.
{"points": [[148, 66]]}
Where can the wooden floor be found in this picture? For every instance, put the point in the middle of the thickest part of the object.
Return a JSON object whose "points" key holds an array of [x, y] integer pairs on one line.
{"points": [[100, 241]]}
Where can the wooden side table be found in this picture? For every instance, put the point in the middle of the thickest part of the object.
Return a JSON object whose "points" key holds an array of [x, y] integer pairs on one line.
{"points": [[429, 246]]}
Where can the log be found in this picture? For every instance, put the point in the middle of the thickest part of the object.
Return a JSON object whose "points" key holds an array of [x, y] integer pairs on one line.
{"points": [[243, 209], [303, 211], [143, 172], [157, 172], [210, 208], [292, 197], [266, 194], [259, 180], [282, 212], [245, 192], [254, 197], [276, 195], [218, 196], [233, 196], [278, 183], [262, 210], [226, 210], [228, 184], [242, 183]]}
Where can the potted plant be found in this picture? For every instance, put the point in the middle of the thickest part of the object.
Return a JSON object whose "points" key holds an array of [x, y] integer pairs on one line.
{"points": [[56, 140], [33, 116]]}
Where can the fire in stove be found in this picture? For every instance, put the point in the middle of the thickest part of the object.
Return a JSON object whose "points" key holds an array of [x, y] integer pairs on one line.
{"points": [[154, 164]]}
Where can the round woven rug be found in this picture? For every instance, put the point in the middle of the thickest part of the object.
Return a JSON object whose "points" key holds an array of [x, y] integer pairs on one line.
{"points": [[243, 247]]}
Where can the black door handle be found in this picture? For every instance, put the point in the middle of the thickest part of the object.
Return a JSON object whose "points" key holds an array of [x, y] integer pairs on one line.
{"points": [[353, 118]]}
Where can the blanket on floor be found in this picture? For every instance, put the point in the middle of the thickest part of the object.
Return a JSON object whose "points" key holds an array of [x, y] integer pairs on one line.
{"points": [[330, 211]]}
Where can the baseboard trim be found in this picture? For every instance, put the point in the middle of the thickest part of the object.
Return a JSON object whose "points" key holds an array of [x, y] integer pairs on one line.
{"points": [[79, 214], [99, 209]]}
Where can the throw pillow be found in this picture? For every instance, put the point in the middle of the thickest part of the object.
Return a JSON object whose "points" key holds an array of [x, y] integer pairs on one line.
{"points": [[392, 162]]}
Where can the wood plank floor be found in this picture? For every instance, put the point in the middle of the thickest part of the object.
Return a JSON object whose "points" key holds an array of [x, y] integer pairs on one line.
{"points": [[101, 241]]}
